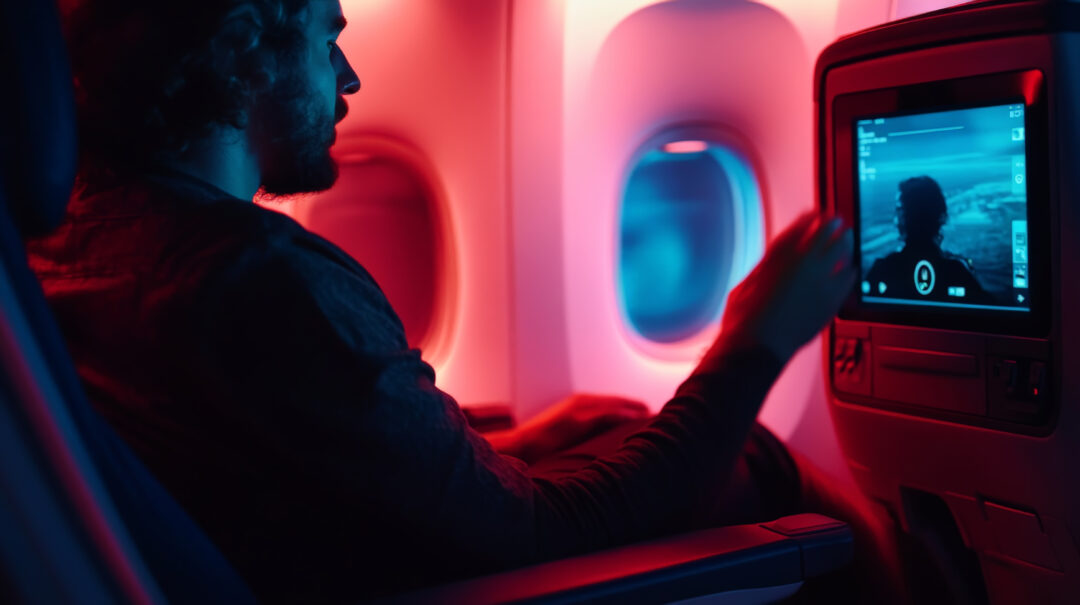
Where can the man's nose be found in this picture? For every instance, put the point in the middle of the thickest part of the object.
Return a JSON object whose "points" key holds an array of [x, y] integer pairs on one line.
{"points": [[348, 82]]}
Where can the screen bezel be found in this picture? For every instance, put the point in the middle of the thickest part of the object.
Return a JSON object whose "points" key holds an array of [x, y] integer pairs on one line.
{"points": [[1027, 86]]}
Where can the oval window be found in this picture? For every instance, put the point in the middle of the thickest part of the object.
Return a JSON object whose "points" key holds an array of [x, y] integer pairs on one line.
{"points": [[382, 213], [691, 226]]}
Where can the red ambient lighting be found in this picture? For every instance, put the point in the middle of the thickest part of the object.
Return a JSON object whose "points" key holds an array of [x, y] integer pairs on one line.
{"points": [[686, 147]]}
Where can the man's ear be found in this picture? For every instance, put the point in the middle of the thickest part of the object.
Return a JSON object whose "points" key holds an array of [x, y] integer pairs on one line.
{"points": [[239, 54], [236, 48]]}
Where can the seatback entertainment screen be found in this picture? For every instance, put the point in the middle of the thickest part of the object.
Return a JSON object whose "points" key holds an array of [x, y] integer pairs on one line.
{"points": [[942, 209]]}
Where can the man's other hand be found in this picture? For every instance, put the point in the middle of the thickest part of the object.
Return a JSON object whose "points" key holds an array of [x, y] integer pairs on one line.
{"points": [[796, 289], [566, 424]]}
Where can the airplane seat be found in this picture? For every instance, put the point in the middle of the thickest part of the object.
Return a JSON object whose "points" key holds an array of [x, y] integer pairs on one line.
{"points": [[951, 391], [63, 466], [84, 521]]}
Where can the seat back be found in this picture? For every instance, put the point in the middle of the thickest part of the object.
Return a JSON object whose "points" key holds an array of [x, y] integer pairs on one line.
{"points": [[87, 521]]}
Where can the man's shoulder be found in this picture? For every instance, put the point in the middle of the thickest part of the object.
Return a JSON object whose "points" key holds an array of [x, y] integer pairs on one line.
{"points": [[957, 261], [257, 256], [890, 258], [206, 227], [273, 270], [246, 240], [183, 234], [889, 262]]}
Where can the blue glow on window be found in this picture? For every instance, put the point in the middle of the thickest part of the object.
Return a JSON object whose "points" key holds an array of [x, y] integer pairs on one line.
{"points": [[691, 228]]}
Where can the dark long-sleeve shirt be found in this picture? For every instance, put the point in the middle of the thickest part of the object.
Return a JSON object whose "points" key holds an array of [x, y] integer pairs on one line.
{"points": [[261, 374]]}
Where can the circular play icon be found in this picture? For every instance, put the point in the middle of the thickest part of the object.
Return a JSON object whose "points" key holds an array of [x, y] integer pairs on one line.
{"points": [[924, 277]]}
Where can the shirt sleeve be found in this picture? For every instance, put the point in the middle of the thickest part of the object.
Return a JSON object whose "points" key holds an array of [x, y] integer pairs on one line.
{"points": [[321, 382]]}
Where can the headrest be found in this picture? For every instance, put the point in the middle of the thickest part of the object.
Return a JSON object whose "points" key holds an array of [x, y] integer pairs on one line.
{"points": [[37, 115]]}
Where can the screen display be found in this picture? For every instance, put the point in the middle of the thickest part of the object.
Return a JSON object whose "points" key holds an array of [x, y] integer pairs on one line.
{"points": [[942, 209]]}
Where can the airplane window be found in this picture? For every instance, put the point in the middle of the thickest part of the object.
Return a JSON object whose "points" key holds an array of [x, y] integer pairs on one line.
{"points": [[382, 213], [691, 228]]}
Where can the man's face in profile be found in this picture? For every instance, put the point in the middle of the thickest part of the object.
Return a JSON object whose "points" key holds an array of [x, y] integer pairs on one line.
{"points": [[292, 126]]}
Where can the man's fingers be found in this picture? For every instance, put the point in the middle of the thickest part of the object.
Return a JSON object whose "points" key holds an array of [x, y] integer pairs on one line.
{"points": [[802, 222], [840, 249], [842, 231], [844, 282], [810, 232], [795, 233], [827, 233]]}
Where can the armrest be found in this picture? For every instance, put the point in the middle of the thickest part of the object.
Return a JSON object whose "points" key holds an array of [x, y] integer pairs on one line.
{"points": [[783, 552]]}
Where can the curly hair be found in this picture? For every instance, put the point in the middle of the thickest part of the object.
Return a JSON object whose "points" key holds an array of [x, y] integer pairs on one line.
{"points": [[921, 210], [152, 76]]}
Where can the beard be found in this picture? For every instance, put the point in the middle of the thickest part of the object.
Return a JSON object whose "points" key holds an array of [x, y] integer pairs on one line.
{"points": [[293, 133]]}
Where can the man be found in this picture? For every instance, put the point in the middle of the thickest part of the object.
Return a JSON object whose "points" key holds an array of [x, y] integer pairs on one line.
{"points": [[260, 372], [921, 269]]}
